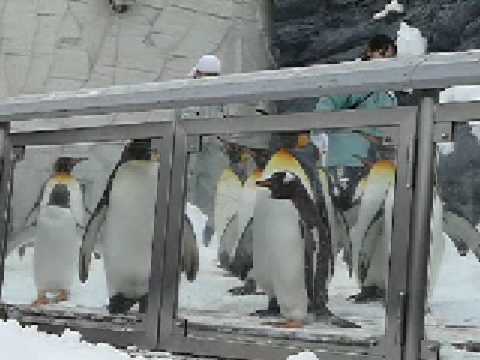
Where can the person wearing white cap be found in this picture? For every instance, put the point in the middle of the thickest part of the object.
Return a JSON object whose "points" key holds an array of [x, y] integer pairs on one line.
{"points": [[208, 65], [206, 167]]}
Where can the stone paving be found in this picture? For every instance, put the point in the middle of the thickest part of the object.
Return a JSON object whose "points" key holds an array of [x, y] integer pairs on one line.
{"points": [[57, 45]]}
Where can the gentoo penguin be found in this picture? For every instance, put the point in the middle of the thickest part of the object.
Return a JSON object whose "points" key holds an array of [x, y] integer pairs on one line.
{"points": [[371, 235], [292, 253], [124, 219], [56, 222]]}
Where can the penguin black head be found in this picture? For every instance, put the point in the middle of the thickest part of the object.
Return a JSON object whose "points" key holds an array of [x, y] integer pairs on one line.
{"points": [[233, 151], [283, 185], [261, 157], [66, 164], [138, 149], [287, 185]]}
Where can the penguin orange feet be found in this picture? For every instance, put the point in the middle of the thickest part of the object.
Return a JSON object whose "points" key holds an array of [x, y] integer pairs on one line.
{"points": [[291, 324], [62, 295], [42, 299]]}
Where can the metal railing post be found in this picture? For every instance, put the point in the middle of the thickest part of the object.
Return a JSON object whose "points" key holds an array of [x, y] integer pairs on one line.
{"points": [[422, 205], [5, 197]]}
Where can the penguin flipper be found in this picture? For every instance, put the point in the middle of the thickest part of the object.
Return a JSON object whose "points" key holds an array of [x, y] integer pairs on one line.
{"points": [[242, 261], [190, 254], [228, 240], [374, 237], [461, 231], [89, 240]]}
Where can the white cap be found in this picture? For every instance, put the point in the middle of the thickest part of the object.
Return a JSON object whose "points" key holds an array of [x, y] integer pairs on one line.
{"points": [[209, 64]]}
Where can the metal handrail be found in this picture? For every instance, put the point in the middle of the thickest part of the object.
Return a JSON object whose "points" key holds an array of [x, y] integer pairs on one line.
{"points": [[433, 71]]}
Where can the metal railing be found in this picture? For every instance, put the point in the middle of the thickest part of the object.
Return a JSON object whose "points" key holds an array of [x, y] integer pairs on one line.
{"points": [[427, 73]]}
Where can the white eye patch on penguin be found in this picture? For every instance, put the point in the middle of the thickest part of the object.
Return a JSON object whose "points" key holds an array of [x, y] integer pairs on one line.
{"points": [[289, 177]]}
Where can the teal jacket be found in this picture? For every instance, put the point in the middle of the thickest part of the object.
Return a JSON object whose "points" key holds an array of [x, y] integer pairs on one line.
{"points": [[343, 147]]}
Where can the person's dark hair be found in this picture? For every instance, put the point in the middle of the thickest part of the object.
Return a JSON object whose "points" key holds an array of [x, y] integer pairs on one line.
{"points": [[381, 43]]}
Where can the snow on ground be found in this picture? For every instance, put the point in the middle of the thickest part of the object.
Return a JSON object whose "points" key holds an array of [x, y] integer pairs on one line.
{"points": [[455, 300], [455, 313], [217, 307], [27, 344]]}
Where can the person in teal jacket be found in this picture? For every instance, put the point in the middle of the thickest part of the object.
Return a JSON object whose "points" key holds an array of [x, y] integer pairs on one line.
{"points": [[349, 152]]}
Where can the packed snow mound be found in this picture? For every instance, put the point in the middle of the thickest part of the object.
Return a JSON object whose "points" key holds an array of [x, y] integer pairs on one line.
{"points": [[410, 41], [303, 356], [28, 344], [393, 7]]}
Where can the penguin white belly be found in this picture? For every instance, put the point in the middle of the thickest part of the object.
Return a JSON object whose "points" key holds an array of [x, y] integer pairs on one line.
{"points": [[279, 254], [261, 259], [369, 237], [437, 244], [128, 231], [227, 197], [56, 249]]}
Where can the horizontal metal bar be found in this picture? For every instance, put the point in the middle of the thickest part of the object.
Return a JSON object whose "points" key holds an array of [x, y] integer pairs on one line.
{"points": [[114, 338], [97, 335], [104, 133], [458, 112], [417, 72], [217, 348], [368, 346], [300, 121]]}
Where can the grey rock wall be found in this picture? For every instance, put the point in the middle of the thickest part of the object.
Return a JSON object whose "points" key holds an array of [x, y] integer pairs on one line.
{"points": [[330, 31]]}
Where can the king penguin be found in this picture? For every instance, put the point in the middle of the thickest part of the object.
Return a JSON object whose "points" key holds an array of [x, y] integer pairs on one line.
{"points": [[55, 223], [227, 199], [124, 221], [241, 260], [241, 255], [371, 236], [292, 252]]}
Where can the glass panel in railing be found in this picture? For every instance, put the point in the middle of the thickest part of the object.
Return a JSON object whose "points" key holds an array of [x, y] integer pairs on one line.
{"points": [[452, 310], [80, 239], [293, 236]]}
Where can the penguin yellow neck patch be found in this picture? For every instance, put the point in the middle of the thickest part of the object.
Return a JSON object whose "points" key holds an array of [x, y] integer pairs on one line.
{"points": [[383, 166], [63, 178], [229, 175], [303, 140]]}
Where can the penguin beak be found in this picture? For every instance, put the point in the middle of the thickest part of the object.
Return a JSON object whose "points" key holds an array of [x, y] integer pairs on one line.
{"points": [[267, 183]]}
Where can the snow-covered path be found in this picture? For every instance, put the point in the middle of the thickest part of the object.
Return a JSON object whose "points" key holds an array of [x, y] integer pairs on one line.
{"points": [[455, 313]]}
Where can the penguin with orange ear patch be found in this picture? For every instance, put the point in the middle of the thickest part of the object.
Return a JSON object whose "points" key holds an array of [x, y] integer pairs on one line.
{"points": [[371, 236], [292, 250], [241, 256], [227, 198], [55, 223]]}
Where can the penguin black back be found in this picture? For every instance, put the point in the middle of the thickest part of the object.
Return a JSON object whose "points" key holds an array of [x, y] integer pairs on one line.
{"points": [[137, 149]]}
